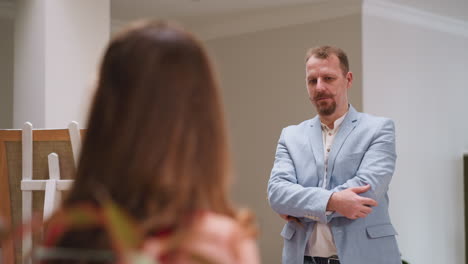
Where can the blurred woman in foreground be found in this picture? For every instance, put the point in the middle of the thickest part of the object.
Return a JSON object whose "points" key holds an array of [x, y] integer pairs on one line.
{"points": [[156, 147]]}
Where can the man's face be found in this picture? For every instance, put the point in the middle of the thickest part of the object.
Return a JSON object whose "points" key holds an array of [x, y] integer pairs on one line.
{"points": [[327, 85]]}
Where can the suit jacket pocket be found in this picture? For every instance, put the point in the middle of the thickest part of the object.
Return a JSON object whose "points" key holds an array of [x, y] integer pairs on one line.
{"points": [[288, 231], [381, 230]]}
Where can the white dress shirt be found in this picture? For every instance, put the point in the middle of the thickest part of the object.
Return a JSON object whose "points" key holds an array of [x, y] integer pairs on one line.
{"points": [[321, 243]]}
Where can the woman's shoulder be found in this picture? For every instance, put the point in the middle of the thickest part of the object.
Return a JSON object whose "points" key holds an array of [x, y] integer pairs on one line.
{"points": [[224, 239], [219, 239], [216, 224]]}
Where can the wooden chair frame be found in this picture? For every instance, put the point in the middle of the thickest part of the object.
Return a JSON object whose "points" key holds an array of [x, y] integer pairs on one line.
{"points": [[52, 186]]}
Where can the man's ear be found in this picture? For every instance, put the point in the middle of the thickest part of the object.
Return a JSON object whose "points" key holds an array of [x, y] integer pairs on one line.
{"points": [[349, 78]]}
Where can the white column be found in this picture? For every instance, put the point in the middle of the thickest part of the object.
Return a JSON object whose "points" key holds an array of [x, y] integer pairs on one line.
{"points": [[58, 45]]}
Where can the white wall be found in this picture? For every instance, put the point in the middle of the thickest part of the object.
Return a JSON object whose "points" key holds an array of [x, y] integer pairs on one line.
{"points": [[6, 73], [29, 65], [418, 77], [263, 80], [58, 45], [77, 33]]}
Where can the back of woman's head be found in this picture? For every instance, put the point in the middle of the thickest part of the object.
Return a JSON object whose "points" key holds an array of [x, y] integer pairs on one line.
{"points": [[156, 142]]}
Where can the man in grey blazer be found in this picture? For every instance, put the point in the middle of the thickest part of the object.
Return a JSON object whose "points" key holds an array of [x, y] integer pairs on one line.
{"points": [[331, 175]]}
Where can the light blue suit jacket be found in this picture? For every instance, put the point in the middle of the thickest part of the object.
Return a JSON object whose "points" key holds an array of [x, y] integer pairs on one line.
{"points": [[363, 152]]}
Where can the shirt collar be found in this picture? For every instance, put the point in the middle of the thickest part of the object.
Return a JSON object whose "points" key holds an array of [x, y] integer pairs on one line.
{"points": [[336, 124]]}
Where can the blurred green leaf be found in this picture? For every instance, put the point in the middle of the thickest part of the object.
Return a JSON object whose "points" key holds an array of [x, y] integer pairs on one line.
{"points": [[123, 232], [81, 216]]}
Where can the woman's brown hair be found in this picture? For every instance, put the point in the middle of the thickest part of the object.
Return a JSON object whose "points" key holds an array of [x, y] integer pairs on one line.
{"points": [[156, 141]]}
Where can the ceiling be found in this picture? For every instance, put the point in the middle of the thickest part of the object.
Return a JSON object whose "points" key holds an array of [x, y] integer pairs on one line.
{"points": [[125, 10], [129, 10], [457, 9]]}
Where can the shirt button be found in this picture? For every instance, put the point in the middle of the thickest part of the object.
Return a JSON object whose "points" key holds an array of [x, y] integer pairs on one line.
{"points": [[328, 150]]}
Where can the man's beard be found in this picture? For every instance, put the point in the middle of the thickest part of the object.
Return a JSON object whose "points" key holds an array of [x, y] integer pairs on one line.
{"points": [[325, 109]]}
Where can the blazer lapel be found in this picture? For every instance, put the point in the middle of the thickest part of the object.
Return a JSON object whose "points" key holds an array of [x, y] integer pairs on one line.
{"points": [[316, 143], [349, 123]]}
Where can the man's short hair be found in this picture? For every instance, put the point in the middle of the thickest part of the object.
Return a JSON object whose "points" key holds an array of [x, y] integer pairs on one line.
{"points": [[324, 52]]}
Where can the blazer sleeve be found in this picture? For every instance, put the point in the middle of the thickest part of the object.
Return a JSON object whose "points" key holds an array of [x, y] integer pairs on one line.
{"points": [[377, 165], [288, 197]]}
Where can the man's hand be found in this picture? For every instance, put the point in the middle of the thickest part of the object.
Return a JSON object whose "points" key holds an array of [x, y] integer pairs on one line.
{"points": [[287, 217], [349, 204], [291, 218]]}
